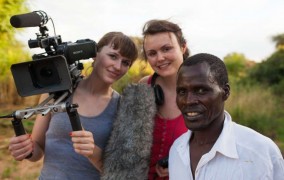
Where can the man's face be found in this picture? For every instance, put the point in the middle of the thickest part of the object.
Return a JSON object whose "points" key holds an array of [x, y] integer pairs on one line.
{"points": [[199, 97]]}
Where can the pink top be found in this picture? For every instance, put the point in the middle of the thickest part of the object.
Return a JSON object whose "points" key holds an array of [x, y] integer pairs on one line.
{"points": [[166, 131]]}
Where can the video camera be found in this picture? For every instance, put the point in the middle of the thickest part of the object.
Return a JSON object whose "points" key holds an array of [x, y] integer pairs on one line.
{"points": [[57, 69]]}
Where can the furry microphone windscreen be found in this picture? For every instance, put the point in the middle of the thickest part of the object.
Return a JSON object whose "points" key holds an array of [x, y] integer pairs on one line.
{"points": [[127, 154]]}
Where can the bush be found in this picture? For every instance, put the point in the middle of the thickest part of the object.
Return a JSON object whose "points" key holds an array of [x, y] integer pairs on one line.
{"points": [[257, 108]]}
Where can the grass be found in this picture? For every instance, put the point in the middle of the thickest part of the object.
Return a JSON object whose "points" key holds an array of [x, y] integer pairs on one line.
{"points": [[258, 109], [8, 171], [10, 168]]}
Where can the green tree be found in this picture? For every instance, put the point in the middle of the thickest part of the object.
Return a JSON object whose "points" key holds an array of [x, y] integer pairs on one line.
{"points": [[271, 71], [237, 65], [11, 50], [279, 41], [139, 43]]}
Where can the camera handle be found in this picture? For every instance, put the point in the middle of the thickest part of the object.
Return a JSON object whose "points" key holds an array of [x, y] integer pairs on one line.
{"points": [[72, 112], [19, 129], [73, 116]]}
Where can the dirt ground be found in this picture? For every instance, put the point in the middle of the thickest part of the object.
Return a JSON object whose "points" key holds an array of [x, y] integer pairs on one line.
{"points": [[9, 168]]}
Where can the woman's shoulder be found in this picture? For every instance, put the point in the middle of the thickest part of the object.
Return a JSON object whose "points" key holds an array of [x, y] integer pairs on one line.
{"points": [[146, 79], [115, 95]]}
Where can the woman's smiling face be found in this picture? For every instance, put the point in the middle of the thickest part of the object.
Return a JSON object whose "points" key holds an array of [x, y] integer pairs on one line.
{"points": [[163, 53]]}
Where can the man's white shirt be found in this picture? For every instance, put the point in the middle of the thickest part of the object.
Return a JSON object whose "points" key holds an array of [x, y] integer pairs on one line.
{"points": [[239, 153]]}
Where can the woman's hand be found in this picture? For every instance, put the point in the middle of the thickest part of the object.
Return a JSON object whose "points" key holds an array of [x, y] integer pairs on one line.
{"points": [[162, 172], [21, 146], [83, 143]]}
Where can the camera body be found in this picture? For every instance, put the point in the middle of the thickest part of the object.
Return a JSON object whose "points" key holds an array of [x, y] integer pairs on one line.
{"points": [[81, 49], [164, 162], [57, 72], [57, 69]]}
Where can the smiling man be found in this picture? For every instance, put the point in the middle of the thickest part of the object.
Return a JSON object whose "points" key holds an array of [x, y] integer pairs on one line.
{"points": [[215, 147]]}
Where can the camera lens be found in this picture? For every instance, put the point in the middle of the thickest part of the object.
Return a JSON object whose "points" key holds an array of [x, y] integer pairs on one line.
{"points": [[42, 75], [46, 72]]}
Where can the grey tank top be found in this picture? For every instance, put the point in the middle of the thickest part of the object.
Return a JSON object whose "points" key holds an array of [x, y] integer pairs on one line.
{"points": [[61, 161]]}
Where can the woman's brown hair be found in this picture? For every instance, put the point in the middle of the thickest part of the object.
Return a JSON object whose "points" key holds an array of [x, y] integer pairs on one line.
{"points": [[118, 40], [157, 26]]}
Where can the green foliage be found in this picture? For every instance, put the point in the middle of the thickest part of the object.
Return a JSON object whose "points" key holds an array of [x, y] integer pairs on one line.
{"points": [[278, 88], [257, 108], [7, 172], [270, 72], [138, 70], [139, 44], [7, 9], [255, 90], [235, 63], [279, 41], [237, 66], [11, 50]]}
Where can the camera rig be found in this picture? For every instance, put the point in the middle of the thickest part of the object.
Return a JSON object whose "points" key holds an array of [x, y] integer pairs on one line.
{"points": [[57, 71]]}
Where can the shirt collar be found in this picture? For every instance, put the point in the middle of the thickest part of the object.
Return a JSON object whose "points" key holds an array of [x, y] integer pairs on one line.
{"points": [[226, 143]]}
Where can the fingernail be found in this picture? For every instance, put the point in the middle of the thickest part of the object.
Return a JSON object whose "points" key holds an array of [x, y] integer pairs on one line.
{"points": [[70, 134]]}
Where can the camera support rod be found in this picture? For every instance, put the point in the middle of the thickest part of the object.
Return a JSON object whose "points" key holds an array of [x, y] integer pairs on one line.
{"points": [[44, 108]]}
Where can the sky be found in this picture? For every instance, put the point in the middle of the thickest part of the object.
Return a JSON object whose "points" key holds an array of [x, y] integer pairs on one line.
{"points": [[217, 27]]}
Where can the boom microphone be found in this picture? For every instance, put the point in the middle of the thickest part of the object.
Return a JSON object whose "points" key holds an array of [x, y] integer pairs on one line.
{"points": [[33, 19]]}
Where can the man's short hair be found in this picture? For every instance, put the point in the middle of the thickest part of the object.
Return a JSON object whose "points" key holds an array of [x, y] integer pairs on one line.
{"points": [[217, 66]]}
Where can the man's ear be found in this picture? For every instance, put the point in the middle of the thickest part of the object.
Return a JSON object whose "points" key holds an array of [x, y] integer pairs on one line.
{"points": [[226, 91]]}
